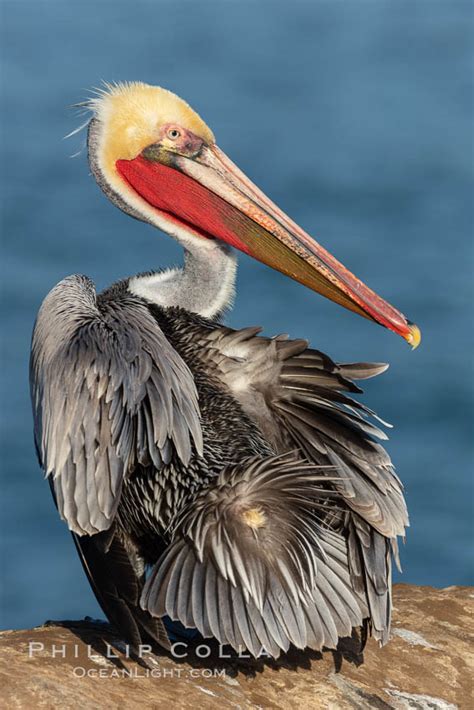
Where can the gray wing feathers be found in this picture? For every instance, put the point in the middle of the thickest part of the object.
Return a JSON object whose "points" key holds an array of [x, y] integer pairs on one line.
{"points": [[251, 565], [108, 393], [301, 398], [370, 561]]}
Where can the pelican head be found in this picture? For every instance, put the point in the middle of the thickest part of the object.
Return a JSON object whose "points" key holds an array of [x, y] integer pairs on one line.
{"points": [[158, 161]]}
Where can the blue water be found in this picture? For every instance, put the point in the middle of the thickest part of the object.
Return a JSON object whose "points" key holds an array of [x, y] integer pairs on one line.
{"points": [[356, 118]]}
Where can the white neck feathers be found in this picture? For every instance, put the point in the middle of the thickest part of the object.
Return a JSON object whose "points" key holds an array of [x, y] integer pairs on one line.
{"points": [[206, 284]]}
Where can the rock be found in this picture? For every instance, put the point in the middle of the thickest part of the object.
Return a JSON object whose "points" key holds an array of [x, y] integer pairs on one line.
{"points": [[427, 665]]}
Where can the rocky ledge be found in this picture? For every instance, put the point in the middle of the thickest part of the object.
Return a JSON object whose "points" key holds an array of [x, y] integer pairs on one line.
{"points": [[427, 665]]}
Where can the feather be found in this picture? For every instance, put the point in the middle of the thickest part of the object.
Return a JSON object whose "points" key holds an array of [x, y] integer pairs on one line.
{"points": [[108, 387], [262, 557], [297, 396]]}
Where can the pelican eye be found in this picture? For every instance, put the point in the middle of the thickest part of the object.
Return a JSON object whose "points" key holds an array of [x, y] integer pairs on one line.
{"points": [[174, 134]]}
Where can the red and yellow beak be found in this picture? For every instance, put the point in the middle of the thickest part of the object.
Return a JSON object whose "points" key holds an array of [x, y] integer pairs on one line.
{"points": [[205, 192]]}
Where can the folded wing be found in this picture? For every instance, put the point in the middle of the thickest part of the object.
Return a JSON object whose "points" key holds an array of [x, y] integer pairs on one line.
{"points": [[108, 393]]}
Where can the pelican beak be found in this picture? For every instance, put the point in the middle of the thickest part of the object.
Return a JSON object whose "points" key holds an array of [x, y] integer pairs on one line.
{"points": [[208, 194]]}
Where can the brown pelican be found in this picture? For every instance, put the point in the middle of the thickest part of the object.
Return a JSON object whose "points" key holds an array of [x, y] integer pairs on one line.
{"points": [[214, 476]]}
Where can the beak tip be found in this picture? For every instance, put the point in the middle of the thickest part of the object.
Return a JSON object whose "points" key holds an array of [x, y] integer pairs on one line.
{"points": [[413, 336]]}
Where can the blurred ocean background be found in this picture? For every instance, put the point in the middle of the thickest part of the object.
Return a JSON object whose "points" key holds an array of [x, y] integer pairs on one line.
{"points": [[356, 118]]}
